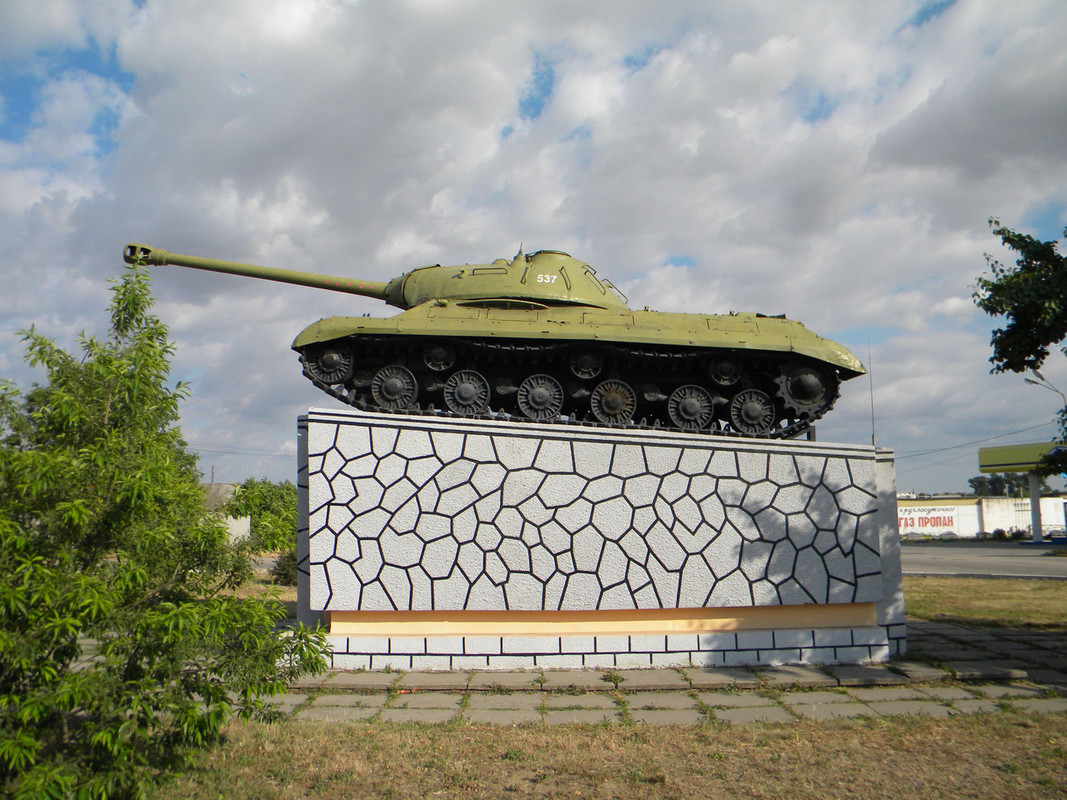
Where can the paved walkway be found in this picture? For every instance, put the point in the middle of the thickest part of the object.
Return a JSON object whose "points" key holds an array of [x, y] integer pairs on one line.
{"points": [[950, 670]]}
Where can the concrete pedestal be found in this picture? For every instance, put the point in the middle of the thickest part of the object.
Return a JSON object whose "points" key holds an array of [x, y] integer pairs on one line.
{"points": [[434, 543]]}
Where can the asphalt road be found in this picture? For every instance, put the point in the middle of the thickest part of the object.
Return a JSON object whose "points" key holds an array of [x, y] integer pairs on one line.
{"points": [[986, 559]]}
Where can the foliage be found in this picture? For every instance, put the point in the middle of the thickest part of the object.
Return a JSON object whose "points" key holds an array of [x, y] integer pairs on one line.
{"points": [[122, 648], [271, 508], [284, 571], [1032, 296], [1008, 484]]}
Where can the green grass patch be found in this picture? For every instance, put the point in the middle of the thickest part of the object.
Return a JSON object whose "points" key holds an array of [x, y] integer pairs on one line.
{"points": [[983, 602]]}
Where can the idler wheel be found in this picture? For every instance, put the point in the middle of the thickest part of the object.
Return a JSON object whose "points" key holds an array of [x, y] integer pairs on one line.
{"points": [[394, 388], [803, 389], [586, 364], [439, 357], [540, 397], [725, 371], [330, 364], [613, 401], [690, 407], [752, 411], [467, 393]]}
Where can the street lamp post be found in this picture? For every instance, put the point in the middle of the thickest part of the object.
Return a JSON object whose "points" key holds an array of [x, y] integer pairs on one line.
{"points": [[1035, 481], [1042, 381]]}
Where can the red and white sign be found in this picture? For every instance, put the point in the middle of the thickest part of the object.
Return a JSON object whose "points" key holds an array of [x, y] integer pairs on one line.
{"points": [[928, 519]]}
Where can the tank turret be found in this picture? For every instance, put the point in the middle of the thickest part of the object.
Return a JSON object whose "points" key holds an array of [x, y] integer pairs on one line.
{"points": [[543, 337], [548, 277]]}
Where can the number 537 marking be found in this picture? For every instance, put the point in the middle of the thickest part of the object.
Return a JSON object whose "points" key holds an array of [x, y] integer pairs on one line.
{"points": [[547, 278]]}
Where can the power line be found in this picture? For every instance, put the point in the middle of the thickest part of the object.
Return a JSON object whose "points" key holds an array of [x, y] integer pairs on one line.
{"points": [[920, 453], [201, 448]]}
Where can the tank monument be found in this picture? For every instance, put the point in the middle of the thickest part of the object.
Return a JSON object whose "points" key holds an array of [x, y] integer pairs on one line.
{"points": [[533, 475]]}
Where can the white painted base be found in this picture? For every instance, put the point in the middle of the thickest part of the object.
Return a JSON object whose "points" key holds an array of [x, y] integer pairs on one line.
{"points": [[404, 513]]}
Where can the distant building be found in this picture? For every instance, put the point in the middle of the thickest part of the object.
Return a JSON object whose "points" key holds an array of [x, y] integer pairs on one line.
{"points": [[969, 517], [217, 495]]}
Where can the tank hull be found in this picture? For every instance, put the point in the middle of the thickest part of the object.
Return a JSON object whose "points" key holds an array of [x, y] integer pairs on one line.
{"points": [[740, 373]]}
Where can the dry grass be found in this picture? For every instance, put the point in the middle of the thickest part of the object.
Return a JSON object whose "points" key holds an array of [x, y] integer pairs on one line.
{"points": [[989, 756], [1003, 755], [261, 586], [1012, 603]]}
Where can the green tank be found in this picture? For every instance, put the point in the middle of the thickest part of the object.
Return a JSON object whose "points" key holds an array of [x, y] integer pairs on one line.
{"points": [[543, 337]]}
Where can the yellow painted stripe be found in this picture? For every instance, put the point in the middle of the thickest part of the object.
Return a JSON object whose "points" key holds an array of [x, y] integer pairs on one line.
{"points": [[599, 623]]}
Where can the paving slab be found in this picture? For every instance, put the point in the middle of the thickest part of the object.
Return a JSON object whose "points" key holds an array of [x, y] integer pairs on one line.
{"points": [[361, 680], [811, 698], [1056, 662], [426, 700], [975, 706], [508, 702], [1009, 691], [755, 714], [1047, 676], [577, 679], [650, 700], [673, 716], [434, 681], [794, 675], [651, 679], [286, 702], [866, 675], [946, 693], [911, 708], [985, 670], [1042, 705], [310, 681], [919, 672], [580, 716], [350, 700], [724, 677], [869, 694], [730, 700], [500, 716], [579, 701], [824, 711], [959, 654], [424, 715], [515, 681], [970, 635], [335, 714]]}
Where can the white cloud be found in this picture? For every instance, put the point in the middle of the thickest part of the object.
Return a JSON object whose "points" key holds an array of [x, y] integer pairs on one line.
{"points": [[825, 160]]}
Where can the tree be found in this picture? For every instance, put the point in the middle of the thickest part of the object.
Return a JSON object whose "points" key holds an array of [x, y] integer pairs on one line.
{"points": [[122, 646], [1032, 295], [1008, 484], [271, 509]]}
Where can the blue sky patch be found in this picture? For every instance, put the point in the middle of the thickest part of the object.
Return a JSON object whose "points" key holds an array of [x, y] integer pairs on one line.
{"points": [[21, 85], [680, 261], [538, 90], [638, 60], [928, 12], [814, 105], [1045, 221]]}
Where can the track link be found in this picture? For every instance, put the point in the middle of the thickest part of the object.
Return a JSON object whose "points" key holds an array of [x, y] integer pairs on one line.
{"points": [[775, 386]]}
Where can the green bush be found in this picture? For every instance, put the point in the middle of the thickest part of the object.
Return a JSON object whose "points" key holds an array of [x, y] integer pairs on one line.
{"points": [[271, 509], [284, 571], [122, 648]]}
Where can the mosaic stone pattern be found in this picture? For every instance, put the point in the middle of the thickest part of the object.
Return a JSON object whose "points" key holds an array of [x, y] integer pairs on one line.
{"points": [[415, 513]]}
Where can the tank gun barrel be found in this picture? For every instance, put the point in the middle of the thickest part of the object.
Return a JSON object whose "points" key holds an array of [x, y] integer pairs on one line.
{"points": [[390, 292]]}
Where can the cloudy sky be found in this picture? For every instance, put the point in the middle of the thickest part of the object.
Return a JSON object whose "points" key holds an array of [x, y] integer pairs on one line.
{"points": [[836, 162]]}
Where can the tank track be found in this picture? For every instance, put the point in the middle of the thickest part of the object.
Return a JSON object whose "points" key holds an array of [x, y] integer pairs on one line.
{"points": [[752, 395]]}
